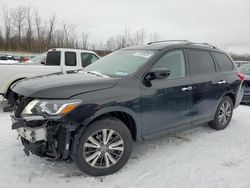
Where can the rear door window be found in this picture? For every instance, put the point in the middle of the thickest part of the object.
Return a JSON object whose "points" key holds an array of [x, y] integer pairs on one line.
{"points": [[200, 62], [70, 58], [53, 58], [223, 61], [88, 58]]}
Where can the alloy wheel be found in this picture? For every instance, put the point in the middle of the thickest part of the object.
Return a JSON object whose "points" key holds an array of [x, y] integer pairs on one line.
{"points": [[225, 113], [103, 148]]}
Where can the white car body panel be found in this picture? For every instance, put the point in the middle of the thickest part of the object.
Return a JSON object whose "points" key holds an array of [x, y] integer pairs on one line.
{"points": [[10, 73]]}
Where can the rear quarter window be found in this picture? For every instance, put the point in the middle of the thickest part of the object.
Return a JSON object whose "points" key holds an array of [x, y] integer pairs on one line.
{"points": [[223, 61]]}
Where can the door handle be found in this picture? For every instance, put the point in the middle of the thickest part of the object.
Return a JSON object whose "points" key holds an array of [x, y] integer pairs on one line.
{"points": [[187, 88], [221, 82]]}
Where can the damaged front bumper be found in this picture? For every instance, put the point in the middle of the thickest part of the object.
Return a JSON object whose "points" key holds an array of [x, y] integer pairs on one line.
{"points": [[33, 135], [43, 137]]}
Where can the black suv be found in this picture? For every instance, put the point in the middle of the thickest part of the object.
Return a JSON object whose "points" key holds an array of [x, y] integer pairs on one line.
{"points": [[135, 93]]}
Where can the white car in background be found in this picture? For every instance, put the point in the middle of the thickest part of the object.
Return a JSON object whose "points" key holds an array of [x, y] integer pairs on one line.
{"points": [[58, 60]]}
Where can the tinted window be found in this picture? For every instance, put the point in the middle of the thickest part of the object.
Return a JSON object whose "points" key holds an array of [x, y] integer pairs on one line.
{"points": [[70, 58], [87, 59], [175, 62], [200, 62], [224, 62], [53, 58]]}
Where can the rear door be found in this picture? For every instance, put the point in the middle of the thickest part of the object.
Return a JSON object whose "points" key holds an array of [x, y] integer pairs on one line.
{"points": [[71, 61], [208, 84], [232, 80]]}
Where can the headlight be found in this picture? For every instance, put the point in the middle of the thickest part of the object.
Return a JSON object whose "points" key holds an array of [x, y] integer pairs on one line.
{"points": [[50, 107]]}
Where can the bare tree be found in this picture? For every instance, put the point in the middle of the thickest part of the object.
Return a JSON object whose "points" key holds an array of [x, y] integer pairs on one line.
{"points": [[1, 40], [126, 39], [153, 37], [40, 31], [50, 33], [29, 30], [18, 18], [7, 26], [137, 38], [100, 46], [24, 29], [38, 23], [69, 34], [85, 38]]}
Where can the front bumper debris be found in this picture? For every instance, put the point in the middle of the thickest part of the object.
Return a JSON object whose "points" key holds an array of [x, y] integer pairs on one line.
{"points": [[27, 121], [38, 148], [33, 134], [44, 137]]}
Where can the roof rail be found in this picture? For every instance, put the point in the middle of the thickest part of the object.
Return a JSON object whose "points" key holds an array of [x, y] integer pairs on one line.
{"points": [[186, 41], [202, 44]]}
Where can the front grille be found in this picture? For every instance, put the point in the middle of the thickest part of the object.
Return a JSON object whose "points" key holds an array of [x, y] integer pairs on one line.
{"points": [[20, 104]]}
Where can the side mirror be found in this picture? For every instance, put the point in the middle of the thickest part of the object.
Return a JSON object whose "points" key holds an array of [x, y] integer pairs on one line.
{"points": [[157, 74], [43, 62]]}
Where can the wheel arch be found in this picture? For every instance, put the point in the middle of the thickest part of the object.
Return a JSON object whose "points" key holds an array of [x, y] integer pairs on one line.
{"points": [[127, 116], [230, 94]]}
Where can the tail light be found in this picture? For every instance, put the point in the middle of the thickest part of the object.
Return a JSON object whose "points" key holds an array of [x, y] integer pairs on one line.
{"points": [[241, 76]]}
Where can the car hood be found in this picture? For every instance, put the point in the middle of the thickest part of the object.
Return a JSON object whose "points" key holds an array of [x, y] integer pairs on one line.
{"points": [[62, 86]]}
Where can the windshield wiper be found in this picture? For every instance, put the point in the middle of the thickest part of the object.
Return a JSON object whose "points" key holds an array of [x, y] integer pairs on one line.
{"points": [[97, 74]]}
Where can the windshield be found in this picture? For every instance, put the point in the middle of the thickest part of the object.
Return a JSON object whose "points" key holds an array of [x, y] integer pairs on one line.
{"points": [[39, 58], [245, 69], [121, 63]]}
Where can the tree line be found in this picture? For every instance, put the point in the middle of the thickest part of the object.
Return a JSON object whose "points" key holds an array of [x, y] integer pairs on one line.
{"points": [[23, 29], [237, 57]]}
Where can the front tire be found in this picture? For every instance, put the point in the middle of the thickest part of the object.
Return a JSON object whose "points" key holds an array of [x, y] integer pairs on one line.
{"points": [[223, 114], [104, 147]]}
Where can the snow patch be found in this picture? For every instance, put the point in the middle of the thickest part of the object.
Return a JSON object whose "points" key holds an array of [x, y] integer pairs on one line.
{"points": [[198, 157]]}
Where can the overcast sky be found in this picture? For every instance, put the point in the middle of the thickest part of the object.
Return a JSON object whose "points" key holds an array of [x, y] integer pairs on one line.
{"points": [[225, 23]]}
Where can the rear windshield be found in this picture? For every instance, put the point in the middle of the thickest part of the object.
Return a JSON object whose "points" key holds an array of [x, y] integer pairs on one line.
{"points": [[53, 58]]}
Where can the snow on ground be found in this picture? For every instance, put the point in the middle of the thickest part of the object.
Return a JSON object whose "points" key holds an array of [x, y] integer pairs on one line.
{"points": [[199, 157]]}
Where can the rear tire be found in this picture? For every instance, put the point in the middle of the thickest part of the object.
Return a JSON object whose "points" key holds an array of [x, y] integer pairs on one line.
{"points": [[223, 114], [104, 147]]}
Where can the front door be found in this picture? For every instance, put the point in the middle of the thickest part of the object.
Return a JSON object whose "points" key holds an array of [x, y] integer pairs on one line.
{"points": [[167, 102]]}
